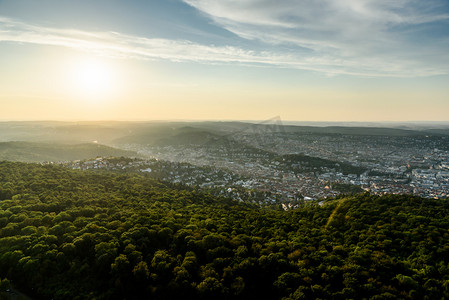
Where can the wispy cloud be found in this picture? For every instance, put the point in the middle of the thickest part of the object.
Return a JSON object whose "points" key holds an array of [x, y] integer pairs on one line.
{"points": [[365, 36], [255, 20]]}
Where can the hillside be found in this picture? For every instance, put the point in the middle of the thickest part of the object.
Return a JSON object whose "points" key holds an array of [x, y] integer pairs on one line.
{"points": [[68, 234], [301, 162], [40, 152], [165, 136], [165, 132]]}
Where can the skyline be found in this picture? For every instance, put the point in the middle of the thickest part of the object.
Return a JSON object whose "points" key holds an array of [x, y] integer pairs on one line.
{"points": [[224, 60]]}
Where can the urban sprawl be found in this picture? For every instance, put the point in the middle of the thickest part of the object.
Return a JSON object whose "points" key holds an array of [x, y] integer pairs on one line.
{"points": [[295, 167]]}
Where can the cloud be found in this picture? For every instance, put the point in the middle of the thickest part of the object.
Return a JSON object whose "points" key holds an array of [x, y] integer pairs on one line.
{"points": [[366, 36], [312, 49], [123, 46]]}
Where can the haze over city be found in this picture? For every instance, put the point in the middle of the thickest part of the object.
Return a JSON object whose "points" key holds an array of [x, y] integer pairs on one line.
{"points": [[224, 60]]}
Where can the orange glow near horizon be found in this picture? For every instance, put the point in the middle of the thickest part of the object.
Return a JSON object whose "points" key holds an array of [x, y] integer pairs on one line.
{"points": [[68, 85]]}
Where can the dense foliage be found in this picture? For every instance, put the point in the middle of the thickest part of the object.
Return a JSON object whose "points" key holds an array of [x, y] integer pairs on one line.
{"points": [[40, 152], [68, 234], [300, 163]]}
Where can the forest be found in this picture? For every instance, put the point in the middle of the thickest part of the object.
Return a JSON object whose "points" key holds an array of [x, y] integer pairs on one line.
{"points": [[40, 152], [301, 162], [70, 234]]}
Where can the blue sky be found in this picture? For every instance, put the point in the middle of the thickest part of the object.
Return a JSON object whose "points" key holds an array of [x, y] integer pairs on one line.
{"points": [[310, 56]]}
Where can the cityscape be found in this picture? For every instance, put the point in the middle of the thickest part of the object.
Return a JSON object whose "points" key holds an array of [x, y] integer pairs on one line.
{"points": [[289, 167]]}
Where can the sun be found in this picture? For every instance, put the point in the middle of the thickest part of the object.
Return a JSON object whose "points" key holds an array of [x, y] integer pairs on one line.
{"points": [[92, 80]]}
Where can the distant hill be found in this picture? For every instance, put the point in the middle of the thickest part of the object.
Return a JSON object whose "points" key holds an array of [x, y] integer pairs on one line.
{"points": [[39, 152], [168, 135], [367, 131]]}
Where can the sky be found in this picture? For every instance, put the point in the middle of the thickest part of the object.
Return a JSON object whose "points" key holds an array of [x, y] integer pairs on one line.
{"points": [[137, 60]]}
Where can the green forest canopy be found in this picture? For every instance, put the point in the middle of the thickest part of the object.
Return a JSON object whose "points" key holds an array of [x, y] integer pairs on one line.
{"points": [[67, 234], [40, 152]]}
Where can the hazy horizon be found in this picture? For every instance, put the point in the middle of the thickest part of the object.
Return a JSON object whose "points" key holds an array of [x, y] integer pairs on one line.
{"points": [[276, 120]]}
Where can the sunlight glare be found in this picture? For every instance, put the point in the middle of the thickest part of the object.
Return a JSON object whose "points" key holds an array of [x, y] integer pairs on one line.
{"points": [[93, 80]]}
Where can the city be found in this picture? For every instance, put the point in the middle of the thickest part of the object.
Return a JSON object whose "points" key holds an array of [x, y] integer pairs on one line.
{"points": [[282, 166]]}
